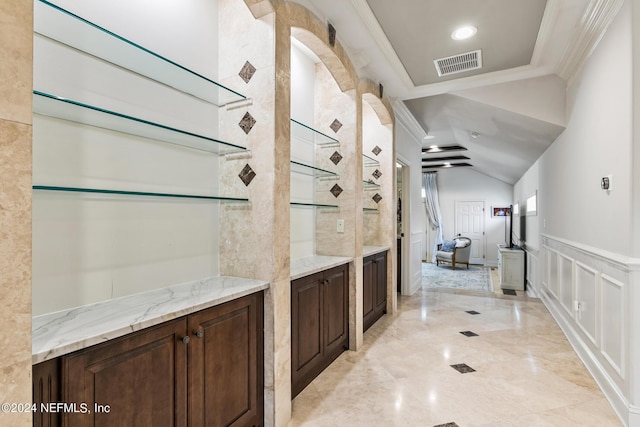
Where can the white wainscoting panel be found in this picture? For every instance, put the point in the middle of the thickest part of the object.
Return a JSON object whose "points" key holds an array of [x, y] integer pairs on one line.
{"points": [[586, 291], [565, 283], [416, 262], [601, 330], [551, 272], [613, 322]]}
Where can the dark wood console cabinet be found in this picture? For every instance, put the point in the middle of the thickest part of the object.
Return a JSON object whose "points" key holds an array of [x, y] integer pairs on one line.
{"points": [[319, 324], [374, 292], [204, 369]]}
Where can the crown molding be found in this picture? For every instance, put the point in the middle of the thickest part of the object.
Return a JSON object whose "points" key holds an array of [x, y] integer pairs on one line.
{"points": [[594, 23], [371, 22], [549, 20], [485, 79], [408, 121]]}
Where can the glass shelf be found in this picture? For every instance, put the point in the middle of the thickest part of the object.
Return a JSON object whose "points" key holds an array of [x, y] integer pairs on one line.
{"points": [[309, 134], [370, 210], [369, 161], [67, 109], [370, 185], [313, 205], [72, 30], [304, 169], [136, 193]]}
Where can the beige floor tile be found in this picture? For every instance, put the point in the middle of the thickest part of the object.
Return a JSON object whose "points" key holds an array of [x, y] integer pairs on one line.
{"points": [[526, 372]]}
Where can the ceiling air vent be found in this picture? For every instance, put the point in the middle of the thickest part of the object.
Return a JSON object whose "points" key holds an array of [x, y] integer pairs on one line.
{"points": [[459, 63]]}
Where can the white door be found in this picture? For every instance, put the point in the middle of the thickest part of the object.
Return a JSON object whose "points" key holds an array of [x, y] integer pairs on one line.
{"points": [[470, 223]]}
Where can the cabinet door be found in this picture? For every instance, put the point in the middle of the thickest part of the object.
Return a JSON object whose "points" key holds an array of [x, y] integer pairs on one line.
{"points": [[141, 377], [368, 291], [380, 265], [335, 307], [225, 364], [306, 330], [46, 389]]}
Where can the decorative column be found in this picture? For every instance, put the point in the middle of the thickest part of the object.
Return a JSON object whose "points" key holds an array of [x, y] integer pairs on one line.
{"points": [[16, 41]]}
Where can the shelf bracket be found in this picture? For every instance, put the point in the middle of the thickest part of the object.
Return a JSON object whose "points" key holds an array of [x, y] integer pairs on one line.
{"points": [[239, 104]]}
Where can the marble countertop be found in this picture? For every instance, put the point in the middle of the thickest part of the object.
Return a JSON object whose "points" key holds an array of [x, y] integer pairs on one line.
{"points": [[371, 250], [302, 267], [66, 331]]}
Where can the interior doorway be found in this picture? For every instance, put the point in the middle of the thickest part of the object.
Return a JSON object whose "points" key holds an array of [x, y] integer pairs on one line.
{"points": [[470, 223], [399, 223]]}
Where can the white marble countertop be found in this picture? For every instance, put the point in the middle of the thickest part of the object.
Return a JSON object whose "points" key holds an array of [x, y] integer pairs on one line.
{"points": [[66, 331], [371, 250], [302, 267]]}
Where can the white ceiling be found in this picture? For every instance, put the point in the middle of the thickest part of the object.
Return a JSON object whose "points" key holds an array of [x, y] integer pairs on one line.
{"points": [[516, 102], [419, 32]]}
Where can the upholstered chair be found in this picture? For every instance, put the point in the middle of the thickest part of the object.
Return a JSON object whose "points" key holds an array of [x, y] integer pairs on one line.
{"points": [[456, 251]]}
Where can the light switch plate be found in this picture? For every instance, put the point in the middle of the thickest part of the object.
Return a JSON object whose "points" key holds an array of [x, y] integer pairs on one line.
{"points": [[340, 226]]}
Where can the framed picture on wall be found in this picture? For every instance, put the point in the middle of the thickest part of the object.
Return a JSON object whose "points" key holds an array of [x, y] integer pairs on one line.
{"points": [[500, 212]]}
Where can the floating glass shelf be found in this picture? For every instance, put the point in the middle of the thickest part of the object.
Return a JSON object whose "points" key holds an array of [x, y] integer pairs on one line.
{"points": [[370, 210], [136, 193], [67, 109], [313, 205], [370, 185], [369, 161], [72, 30], [312, 171], [306, 133]]}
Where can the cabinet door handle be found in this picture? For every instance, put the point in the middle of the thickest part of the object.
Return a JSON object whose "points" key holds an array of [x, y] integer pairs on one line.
{"points": [[186, 339], [199, 334]]}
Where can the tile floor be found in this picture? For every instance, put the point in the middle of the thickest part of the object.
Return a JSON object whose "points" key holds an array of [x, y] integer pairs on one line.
{"points": [[526, 373]]}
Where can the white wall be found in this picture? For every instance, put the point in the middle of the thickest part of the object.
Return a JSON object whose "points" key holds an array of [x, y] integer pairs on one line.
{"points": [[91, 248], [596, 143], [541, 98], [303, 80], [582, 233], [408, 150], [462, 184], [522, 190], [164, 27]]}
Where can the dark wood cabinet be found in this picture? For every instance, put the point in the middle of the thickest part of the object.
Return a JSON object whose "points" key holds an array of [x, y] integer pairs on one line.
{"points": [[374, 292], [205, 369], [319, 324], [140, 379], [47, 388], [225, 365]]}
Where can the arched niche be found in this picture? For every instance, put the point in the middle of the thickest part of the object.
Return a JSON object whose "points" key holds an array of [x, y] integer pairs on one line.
{"points": [[371, 95]]}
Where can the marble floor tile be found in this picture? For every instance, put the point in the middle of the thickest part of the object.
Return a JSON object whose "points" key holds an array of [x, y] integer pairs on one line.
{"points": [[526, 373]]}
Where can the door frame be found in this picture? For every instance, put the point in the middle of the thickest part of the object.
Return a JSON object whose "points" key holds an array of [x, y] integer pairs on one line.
{"points": [[484, 224], [406, 221]]}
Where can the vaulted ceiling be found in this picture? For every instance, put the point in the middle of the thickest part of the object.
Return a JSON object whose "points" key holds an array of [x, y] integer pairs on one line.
{"points": [[514, 106]]}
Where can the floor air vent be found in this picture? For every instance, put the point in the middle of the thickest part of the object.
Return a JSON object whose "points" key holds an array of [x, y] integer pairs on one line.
{"points": [[459, 63]]}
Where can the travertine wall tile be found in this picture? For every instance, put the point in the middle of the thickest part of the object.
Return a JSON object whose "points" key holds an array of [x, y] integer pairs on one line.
{"points": [[16, 66], [16, 51], [255, 240], [15, 267]]}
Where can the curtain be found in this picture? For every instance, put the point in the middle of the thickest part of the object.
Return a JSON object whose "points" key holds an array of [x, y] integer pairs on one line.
{"points": [[433, 208]]}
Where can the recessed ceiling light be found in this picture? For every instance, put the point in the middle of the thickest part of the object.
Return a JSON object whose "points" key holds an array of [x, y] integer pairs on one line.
{"points": [[465, 32], [428, 137]]}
